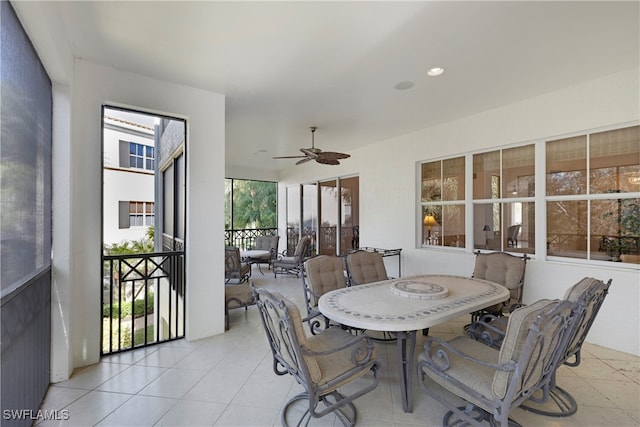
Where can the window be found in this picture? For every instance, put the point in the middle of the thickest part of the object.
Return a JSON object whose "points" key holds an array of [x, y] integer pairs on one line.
{"points": [[591, 195], [503, 199], [443, 209], [593, 182], [141, 156], [136, 214]]}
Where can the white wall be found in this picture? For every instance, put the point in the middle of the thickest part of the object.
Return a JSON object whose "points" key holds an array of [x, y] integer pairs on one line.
{"points": [[95, 85], [388, 191]]}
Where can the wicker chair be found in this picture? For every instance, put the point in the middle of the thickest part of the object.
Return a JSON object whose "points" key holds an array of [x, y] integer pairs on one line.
{"points": [[322, 364], [495, 381]]}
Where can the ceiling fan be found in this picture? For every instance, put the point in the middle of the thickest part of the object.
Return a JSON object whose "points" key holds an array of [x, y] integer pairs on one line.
{"points": [[313, 153]]}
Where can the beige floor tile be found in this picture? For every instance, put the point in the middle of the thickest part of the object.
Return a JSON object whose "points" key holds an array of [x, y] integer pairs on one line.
{"points": [[590, 416], [623, 394], [216, 387], [235, 415], [91, 408], [138, 411], [174, 383], [191, 413], [132, 380]]}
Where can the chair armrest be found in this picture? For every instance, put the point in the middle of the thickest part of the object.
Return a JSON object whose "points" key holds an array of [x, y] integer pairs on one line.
{"points": [[489, 330], [362, 348], [436, 357]]}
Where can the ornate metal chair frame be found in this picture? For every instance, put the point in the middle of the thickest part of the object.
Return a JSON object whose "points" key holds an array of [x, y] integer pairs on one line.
{"points": [[234, 268], [236, 296], [320, 274], [321, 363], [554, 401], [494, 382], [267, 243], [292, 264], [503, 268]]}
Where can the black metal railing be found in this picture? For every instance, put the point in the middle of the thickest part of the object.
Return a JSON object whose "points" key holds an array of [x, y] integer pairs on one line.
{"points": [[143, 300], [246, 238]]}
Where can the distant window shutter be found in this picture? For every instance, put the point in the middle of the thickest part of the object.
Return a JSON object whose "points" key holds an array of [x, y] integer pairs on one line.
{"points": [[124, 155], [123, 214]]}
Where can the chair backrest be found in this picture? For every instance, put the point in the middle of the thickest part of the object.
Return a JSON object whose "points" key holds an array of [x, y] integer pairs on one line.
{"points": [[365, 267], [535, 339], [232, 261], [323, 273], [302, 247], [283, 326], [267, 243], [513, 231], [503, 268], [589, 294]]}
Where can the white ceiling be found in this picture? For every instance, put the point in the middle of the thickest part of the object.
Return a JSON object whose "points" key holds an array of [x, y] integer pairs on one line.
{"points": [[285, 66]]}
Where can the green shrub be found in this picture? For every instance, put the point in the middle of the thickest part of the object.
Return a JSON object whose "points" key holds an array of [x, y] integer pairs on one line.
{"points": [[124, 310]]}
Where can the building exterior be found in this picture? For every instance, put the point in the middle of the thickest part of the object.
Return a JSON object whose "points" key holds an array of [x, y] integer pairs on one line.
{"points": [[128, 179]]}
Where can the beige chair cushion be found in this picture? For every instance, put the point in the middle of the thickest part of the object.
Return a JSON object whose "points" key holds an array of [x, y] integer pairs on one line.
{"points": [[474, 376], [324, 273], [515, 337], [366, 267], [573, 293], [502, 268], [335, 364], [267, 243], [238, 295], [301, 336]]}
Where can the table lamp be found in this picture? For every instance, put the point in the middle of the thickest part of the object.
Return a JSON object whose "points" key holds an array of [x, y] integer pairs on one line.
{"points": [[429, 221]]}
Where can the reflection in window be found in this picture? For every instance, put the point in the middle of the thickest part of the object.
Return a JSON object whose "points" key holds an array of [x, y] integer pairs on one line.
{"points": [[443, 194], [604, 223], [499, 176]]}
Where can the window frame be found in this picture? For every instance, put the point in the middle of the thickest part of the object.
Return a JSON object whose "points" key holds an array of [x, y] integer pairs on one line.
{"points": [[539, 199]]}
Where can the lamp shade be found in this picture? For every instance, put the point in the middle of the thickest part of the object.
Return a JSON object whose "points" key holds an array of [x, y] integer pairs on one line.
{"points": [[429, 220]]}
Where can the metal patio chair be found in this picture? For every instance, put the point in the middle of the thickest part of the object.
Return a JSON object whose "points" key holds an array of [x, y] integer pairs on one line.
{"points": [[492, 381], [322, 364]]}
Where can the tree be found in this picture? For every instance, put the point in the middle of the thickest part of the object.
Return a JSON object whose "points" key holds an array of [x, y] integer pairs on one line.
{"points": [[254, 204]]}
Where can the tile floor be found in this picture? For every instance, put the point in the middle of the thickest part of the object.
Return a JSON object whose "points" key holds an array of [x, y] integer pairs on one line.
{"points": [[227, 380]]}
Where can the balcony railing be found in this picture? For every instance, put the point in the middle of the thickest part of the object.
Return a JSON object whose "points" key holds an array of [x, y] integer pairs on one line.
{"points": [[143, 300], [246, 238]]}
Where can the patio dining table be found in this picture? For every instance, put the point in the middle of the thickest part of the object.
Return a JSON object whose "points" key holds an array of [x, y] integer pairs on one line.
{"points": [[406, 305]]}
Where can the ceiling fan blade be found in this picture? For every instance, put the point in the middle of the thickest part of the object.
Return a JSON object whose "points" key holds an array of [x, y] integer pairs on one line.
{"points": [[290, 157], [326, 161], [305, 160], [333, 155]]}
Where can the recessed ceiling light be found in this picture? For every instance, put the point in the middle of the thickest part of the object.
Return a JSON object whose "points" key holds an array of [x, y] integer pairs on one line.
{"points": [[435, 71], [403, 85]]}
